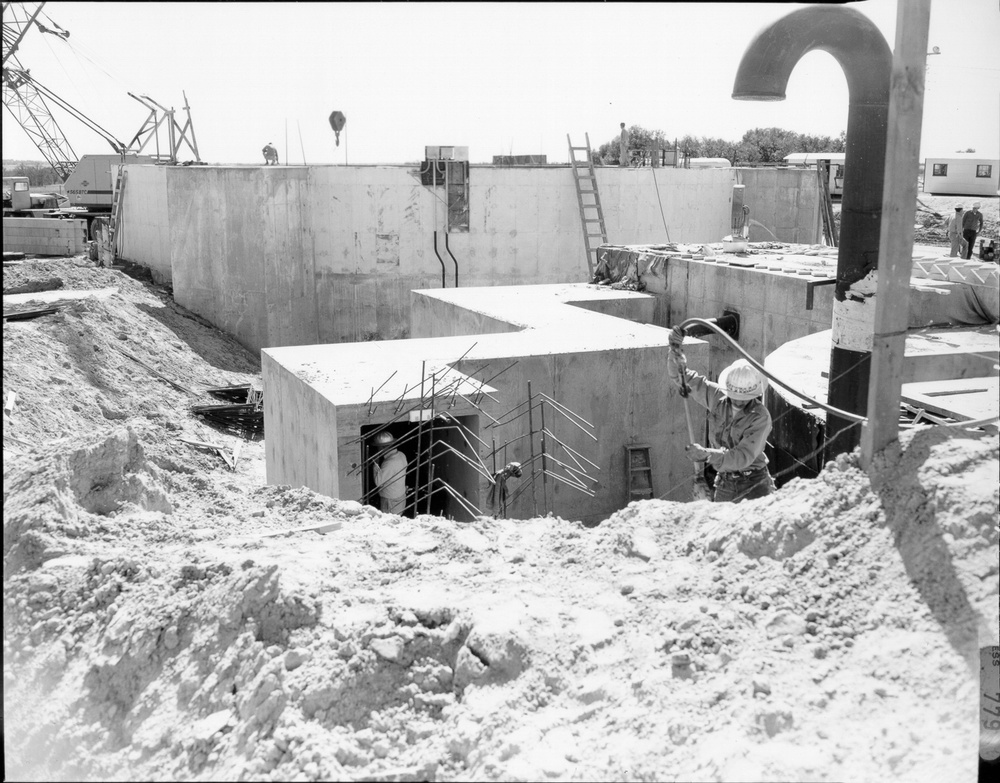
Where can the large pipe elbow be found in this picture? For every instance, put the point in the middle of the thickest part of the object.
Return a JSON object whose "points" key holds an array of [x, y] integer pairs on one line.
{"points": [[848, 35]]}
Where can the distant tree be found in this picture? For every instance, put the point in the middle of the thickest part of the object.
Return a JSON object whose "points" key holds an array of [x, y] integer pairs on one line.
{"points": [[38, 174], [970, 149], [639, 139], [760, 145]]}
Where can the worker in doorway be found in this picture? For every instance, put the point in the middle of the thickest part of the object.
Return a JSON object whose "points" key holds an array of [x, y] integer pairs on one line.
{"points": [[738, 425], [623, 141], [390, 474], [955, 233], [270, 154], [972, 224], [498, 491]]}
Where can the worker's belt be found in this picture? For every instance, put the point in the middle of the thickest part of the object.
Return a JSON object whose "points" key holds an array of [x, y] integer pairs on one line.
{"points": [[745, 473]]}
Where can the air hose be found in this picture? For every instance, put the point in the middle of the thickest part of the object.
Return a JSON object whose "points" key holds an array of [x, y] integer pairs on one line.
{"points": [[843, 414]]}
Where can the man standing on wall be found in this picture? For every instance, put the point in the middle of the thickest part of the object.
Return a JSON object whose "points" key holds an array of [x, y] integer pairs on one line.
{"points": [[623, 141], [270, 154], [390, 474], [972, 224]]}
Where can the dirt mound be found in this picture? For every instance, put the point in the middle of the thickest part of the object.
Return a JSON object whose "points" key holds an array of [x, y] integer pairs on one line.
{"points": [[156, 629]]}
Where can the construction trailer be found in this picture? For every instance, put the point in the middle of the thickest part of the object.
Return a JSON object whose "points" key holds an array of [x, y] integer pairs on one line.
{"points": [[834, 160], [962, 176]]}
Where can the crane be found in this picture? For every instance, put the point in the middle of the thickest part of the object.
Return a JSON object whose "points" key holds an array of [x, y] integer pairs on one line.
{"points": [[25, 97]]}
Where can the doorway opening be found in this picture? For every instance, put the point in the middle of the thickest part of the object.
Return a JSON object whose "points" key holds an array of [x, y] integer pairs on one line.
{"points": [[440, 477]]}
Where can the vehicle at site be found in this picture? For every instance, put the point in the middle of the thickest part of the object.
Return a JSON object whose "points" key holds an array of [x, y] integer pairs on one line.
{"points": [[19, 201]]}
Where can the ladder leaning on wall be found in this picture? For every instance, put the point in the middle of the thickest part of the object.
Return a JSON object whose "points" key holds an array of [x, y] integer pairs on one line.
{"points": [[591, 213]]}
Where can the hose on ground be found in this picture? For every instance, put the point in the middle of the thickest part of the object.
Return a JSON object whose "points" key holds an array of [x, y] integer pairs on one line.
{"points": [[837, 411]]}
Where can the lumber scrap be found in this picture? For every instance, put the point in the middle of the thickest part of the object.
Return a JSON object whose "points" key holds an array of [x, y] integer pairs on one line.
{"points": [[8, 407], [322, 527], [24, 315], [156, 372]]}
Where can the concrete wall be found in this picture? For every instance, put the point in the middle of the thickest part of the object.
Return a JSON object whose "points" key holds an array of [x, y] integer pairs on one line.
{"points": [[607, 370], [44, 236], [785, 202], [144, 230], [297, 255]]}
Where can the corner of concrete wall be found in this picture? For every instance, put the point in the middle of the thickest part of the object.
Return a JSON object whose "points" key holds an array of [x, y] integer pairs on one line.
{"points": [[144, 230]]}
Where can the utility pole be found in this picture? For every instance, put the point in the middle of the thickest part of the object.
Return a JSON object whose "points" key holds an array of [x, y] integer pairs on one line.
{"points": [[899, 200]]}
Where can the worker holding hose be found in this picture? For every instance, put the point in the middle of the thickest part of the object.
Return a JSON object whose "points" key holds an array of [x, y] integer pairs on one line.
{"points": [[738, 424]]}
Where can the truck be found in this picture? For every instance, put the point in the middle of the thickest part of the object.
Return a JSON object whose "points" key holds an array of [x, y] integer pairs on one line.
{"points": [[19, 201]]}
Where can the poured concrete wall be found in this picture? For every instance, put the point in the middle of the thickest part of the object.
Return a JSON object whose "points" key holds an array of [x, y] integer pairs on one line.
{"points": [[607, 370], [44, 236], [144, 229], [784, 202], [297, 255]]}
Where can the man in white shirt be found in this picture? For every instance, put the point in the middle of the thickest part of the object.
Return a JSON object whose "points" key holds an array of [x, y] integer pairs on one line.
{"points": [[390, 474], [958, 246]]}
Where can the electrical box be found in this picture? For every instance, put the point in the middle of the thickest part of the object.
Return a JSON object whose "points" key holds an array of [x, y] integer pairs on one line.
{"points": [[446, 153]]}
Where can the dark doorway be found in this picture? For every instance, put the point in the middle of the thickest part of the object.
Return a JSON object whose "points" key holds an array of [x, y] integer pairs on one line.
{"points": [[439, 478]]}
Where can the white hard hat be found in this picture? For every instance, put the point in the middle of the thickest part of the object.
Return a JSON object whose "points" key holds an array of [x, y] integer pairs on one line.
{"points": [[383, 438], [742, 381]]}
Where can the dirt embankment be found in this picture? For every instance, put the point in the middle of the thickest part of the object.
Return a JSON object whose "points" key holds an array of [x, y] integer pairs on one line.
{"points": [[153, 630]]}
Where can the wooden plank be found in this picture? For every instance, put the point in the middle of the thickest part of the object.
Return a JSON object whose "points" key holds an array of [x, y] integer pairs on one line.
{"points": [[156, 372], [8, 408], [961, 399], [324, 527], [899, 207]]}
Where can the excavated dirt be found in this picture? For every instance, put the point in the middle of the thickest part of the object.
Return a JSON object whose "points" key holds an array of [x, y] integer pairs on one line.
{"points": [[153, 631]]}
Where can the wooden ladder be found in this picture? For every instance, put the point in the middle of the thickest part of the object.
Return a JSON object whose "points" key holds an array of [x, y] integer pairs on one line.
{"points": [[116, 201], [640, 472], [591, 213]]}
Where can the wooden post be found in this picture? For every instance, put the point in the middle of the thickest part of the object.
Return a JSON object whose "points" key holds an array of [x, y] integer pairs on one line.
{"points": [[899, 204]]}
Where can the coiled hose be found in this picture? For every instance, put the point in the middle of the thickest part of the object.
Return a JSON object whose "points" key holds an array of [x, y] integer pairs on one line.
{"points": [[843, 414]]}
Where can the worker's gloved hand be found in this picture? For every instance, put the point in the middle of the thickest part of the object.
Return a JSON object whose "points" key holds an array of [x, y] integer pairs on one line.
{"points": [[696, 453], [676, 339]]}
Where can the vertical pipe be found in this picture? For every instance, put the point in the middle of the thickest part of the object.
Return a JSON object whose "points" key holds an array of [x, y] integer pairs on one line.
{"points": [[430, 446], [420, 431], [531, 446], [545, 478]]}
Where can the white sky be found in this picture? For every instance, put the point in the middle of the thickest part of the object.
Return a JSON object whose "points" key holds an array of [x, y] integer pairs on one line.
{"points": [[507, 78]]}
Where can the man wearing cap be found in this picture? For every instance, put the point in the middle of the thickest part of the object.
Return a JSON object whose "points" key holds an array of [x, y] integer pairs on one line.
{"points": [[738, 425], [390, 474], [972, 224], [955, 233]]}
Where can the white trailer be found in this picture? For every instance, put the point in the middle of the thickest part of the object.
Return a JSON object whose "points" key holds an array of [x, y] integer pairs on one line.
{"points": [[962, 176], [836, 166]]}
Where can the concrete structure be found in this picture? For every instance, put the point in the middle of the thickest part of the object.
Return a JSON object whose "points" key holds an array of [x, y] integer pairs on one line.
{"points": [[947, 371], [44, 236], [588, 347], [285, 255]]}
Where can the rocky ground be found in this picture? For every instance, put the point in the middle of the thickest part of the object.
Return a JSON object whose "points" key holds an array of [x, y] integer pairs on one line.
{"points": [[155, 628], [933, 213]]}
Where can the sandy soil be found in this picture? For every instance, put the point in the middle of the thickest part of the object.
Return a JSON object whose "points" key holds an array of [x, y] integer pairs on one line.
{"points": [[152, 631]]}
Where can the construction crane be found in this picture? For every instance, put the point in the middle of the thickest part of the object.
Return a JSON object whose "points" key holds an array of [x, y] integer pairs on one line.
{"points": [[25, 98], [89, 181]]}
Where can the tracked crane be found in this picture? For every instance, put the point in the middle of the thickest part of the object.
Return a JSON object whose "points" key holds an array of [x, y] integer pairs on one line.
{"points": [[89, 181]]}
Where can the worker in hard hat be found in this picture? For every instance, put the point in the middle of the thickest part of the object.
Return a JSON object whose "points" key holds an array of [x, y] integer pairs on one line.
{"points": [[270, 154], [498, 490], [739, 425], [390, 474]]}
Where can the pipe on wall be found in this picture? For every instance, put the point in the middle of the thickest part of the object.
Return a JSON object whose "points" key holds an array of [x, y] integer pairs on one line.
{"points": [[866, 59], [453, 259], [444, 283]]}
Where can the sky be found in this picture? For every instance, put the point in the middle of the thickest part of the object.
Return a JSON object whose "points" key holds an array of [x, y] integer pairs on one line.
{"points": [[499, 78]]}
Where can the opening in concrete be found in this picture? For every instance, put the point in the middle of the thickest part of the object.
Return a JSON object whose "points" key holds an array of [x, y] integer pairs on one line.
{"points": [[440, 478]]}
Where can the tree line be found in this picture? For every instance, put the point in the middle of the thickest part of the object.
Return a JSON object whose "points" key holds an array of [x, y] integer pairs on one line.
{"points": [[39, 174], [760, 145]]}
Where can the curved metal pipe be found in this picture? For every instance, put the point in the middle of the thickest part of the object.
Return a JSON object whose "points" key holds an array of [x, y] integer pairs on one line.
{"points": [[863, 54], [454, 260], [444, 284]]}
